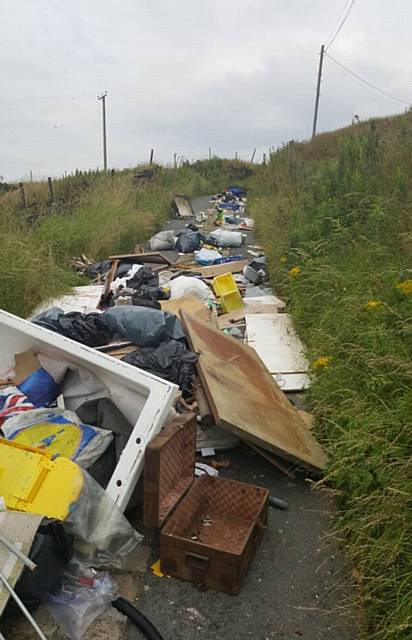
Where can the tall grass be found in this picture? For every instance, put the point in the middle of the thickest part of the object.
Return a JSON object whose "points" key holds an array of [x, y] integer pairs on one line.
{"points": [[94, 213], [340, 209]]}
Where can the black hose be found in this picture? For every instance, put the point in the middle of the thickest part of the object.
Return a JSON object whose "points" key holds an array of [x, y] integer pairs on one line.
{"points": [[138, 619]]}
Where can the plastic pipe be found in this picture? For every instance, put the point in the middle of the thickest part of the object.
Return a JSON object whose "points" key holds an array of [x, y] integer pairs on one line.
{"points": [[137, 618]]}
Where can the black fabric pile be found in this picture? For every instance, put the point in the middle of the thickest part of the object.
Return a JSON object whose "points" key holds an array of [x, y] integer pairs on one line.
{"points": [[170, 360], [90, 329]]}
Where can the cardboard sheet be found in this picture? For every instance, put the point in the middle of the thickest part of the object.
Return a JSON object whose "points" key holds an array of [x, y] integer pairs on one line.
{"points": [[244, 397]]}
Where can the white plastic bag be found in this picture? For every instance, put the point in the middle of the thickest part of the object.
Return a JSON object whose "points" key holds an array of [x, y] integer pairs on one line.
{"points": [[162, 241], [184, 286], [228, 238]]}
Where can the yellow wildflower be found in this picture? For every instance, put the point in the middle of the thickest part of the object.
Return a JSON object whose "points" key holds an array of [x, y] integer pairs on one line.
{"points": [[295, 271], [405, 287], [283, 259], [322, 362], [373, 304]]}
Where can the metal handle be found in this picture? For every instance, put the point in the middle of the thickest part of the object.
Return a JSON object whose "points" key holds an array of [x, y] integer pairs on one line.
{"points": [[197, 561]]}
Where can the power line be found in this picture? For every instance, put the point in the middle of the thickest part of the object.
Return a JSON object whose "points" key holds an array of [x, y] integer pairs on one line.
{"points": [[369, 84], [330, 41], [335, 26]]}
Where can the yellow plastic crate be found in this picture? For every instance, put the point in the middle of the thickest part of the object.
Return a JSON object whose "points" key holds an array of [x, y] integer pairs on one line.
{"points": [[31, 481], [227, 290]]}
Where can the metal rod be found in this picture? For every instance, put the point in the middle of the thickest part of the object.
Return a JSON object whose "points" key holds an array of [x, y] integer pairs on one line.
{"points": [[22, 607], [21, 556]]}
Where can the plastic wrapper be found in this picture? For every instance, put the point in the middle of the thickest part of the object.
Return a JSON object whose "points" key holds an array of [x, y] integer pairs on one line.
{"points": [[143, 326], [189, 241], [185, 286], [103, 537], [40, 388], [227, 238], [170, 360], [84, 595], [90, 329], [13, 402], [59, 432], [163, 241], [207, 256]]}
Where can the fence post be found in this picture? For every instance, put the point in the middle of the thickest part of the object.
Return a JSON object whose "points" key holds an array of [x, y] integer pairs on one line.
{"points": [[151, 156], [22, 194], [253, 156], [51, 190]]}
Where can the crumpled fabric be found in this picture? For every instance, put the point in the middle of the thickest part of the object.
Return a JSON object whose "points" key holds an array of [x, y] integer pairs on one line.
{"points": [[143, 326], [170, 360], [144, 276], [90, 329]]}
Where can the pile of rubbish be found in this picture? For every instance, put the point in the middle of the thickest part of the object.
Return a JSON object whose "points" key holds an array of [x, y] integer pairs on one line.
{"points": [[176, 349]]}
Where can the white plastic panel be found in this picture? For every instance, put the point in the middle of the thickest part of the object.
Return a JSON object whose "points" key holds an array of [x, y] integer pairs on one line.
{"points": [[144, 399]]}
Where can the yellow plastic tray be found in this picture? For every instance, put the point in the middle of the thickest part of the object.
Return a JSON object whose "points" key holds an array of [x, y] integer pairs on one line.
{"points": [[31, 481], [226, 289]]}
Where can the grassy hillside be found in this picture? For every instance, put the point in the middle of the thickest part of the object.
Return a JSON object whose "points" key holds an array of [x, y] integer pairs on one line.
{"points": [[95, 214], [335, 217]]}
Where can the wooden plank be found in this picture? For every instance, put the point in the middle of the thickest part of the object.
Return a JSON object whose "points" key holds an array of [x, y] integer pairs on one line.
{"points": [[190, 304], [227, 320], [243, 396], [155, 257], [273, 461], [183, 207], [219, 269], [264, 300]]}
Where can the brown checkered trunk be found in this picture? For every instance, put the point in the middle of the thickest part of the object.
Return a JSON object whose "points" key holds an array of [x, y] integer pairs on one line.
{"points": [[213, 534]]}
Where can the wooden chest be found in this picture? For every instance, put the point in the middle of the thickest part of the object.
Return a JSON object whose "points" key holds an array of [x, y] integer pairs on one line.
{"points": [[211, 526]]}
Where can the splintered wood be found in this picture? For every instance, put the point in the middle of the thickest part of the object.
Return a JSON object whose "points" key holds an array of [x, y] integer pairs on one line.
{"points": [[244, 397]]}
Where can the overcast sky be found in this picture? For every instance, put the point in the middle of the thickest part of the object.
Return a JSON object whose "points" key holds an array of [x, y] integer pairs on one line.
{"points": [[184, 75]]}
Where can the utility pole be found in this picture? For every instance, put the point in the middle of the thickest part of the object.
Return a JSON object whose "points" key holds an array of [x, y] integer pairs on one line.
{"points": [[315, 114], [103, 99]]}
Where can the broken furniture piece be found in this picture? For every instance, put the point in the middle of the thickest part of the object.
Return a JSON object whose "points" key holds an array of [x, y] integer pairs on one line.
{"points": [[244, 397]]}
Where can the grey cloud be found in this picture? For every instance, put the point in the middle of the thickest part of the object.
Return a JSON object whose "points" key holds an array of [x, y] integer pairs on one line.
{"points": [[184, 75]]}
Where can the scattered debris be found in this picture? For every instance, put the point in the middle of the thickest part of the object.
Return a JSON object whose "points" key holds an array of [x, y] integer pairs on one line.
{"points": [[108, 378]]}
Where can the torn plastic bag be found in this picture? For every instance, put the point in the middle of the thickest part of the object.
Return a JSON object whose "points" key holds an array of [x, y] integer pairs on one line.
{"points": [[90, 329], [144, 327], [227, 238], [188, 241], [103, 537], [83, 595], [207, 256], [121, 281], [99, 268], [52, 550], [13, 402], [60, 432], [40, 388], [124, 268], [170, 360], [186, 286], [163, 241], [143, 276], [104, 414]]}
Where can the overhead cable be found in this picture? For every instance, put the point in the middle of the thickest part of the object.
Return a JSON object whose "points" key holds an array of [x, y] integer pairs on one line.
{"points": [[332, 39], [369, 84]]}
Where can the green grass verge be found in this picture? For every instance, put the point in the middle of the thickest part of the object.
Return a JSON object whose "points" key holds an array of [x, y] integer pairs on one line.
{"points": [[96, 214], [335, 219]]}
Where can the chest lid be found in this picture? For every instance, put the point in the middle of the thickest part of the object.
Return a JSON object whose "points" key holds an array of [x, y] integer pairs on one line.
{"points": [[169, 469]]}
